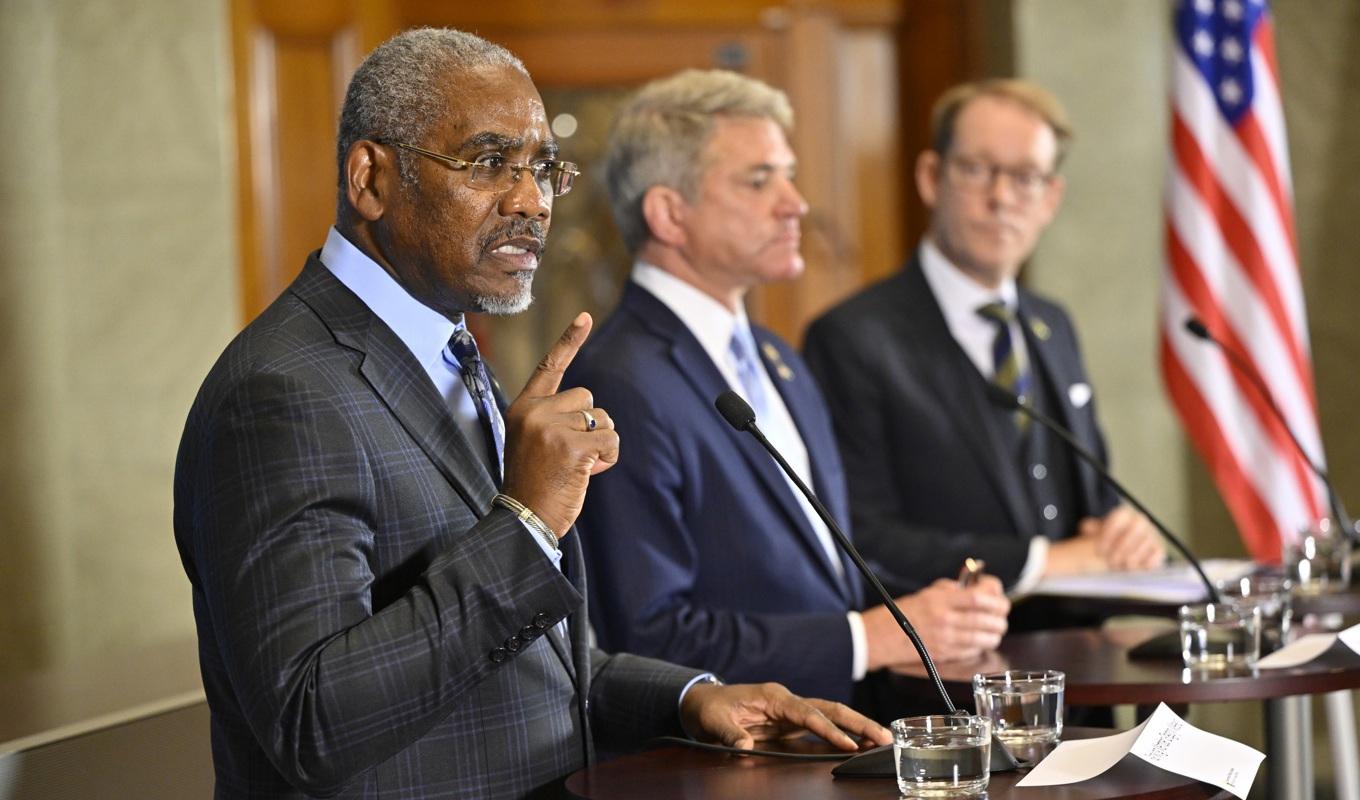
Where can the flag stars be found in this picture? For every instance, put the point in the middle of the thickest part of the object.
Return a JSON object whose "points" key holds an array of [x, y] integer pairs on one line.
{"points": [[1203, 43], [1232, 50], [1204, 7], [1230, 91], [1232, 10]]}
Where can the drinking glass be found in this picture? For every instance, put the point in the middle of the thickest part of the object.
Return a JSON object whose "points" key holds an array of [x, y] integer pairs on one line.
{"points": [[1025, 707], [1319, 560], [1270, 594], [942, 756], [1220, 636]]}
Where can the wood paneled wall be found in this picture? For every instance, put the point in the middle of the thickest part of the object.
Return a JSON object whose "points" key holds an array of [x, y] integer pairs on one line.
{"points": [[854, 69]]}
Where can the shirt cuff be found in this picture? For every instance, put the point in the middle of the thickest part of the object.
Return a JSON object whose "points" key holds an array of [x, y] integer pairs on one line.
{"points": [[859, 648], [1035, 565], [703, 677]]}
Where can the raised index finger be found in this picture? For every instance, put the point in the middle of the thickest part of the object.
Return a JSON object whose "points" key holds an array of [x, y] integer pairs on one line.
{"points": [[547, 376]]}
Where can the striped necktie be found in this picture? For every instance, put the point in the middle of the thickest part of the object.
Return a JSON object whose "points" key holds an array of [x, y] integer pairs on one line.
{"points": [[464, 350], [1009, 370]]}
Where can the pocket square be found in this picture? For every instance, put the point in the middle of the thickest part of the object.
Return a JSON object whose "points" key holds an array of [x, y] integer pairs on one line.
{"points": [[1079, 394]]}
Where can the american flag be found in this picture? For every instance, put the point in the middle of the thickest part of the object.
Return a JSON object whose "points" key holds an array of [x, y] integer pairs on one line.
{"points": [[1232, 260]]}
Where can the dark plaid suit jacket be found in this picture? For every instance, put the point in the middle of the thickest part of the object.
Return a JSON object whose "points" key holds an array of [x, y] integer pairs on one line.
{"points": [[368, 625]]}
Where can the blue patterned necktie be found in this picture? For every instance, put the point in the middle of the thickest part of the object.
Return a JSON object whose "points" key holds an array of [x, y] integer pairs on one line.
{"points": [[478, 383], [743, 347], [1009, 373]]}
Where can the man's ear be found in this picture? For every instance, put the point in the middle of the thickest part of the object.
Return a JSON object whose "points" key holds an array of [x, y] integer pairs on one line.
{"points": [[928, 165], [370, 177], [665, 210]]}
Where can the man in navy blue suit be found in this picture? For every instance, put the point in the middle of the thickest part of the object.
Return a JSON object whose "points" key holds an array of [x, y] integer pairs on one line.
{"points": [[705, 552]]}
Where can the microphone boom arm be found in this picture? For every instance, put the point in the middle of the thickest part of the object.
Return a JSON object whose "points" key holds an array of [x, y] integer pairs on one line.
{"points": [[1014, 401], [860, 564]]}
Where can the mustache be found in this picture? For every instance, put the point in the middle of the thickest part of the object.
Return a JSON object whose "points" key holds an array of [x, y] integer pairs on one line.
{"points": [[516, 229]]}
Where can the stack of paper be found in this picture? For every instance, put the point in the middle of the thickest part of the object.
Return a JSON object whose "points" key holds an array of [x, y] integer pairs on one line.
{"points": [[1174, 584]]}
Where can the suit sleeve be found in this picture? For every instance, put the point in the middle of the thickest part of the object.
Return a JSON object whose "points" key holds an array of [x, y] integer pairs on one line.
{"points": [[644, 564], [906, 556], [281, 525], [634, 699]]}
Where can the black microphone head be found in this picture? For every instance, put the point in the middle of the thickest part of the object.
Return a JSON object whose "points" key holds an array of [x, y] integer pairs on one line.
{"points": [[735, 410], [1197, 328], [1002, 397]]}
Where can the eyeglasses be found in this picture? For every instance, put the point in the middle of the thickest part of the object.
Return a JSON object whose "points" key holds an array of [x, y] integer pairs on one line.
{"points": [[494, 173], [976, 175]]}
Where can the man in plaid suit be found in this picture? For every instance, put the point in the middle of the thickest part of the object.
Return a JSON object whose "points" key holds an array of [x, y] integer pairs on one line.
{"points": [[388, 590]]}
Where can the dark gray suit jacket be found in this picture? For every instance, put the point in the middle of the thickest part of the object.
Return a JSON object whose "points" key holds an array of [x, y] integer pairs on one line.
{"points": [[931, 482], [368, 625]]}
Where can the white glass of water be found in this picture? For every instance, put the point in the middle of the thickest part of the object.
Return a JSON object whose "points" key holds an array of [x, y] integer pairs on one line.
{"points": [[1025, 707], [1272, 595], [1319, 559], [1220, 636], [942, 756]]}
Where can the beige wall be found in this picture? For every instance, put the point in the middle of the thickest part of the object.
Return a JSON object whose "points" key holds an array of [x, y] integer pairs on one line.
{"points": [[1102, 256], [118, 288]]}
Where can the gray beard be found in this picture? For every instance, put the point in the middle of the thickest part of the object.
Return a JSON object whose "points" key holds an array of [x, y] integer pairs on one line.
{"points": [[508, 306]]}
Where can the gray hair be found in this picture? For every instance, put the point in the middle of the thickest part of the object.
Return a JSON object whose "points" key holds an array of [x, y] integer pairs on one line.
{"points": [[658, 137], [396, 93]]}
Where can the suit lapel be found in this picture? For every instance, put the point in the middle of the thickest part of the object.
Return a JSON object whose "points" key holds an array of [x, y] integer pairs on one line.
{"points": [[809, 417], [1062, 372], [404, 387], [951, 375], [692, 361]]}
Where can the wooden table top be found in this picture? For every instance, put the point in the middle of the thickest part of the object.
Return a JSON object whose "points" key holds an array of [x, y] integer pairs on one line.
{"points": [[671, 773], [1346, 603], [1100, 671]]}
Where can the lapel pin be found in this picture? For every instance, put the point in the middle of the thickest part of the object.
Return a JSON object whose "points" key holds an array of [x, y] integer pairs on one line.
{"points": [[1040, 329], [771, 354]]}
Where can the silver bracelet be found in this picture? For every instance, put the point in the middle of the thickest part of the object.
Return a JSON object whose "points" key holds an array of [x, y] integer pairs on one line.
{"points": [[526, 515]]}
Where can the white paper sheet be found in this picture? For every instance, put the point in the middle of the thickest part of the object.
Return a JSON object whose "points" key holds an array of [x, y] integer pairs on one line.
{"points": [[1306, 648], [1175, 584], [1165, 740]]}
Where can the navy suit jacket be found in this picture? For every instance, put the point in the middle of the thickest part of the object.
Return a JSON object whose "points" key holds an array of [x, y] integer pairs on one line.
{"points": [[369, 625], [697, 549], [930, 477]]}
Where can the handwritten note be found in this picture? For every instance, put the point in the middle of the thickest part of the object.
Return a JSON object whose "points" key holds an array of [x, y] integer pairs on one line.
{"points": [[1164, 740]]}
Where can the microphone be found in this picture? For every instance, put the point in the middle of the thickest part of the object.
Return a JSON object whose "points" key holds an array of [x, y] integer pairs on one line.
{"points": [[1013, 402], [1239, 362], [739, 415]]}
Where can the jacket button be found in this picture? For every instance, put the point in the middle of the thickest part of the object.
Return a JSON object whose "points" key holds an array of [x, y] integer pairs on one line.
{"points": [[498, 655], [528, 632], [542, 621], [513, 644]]}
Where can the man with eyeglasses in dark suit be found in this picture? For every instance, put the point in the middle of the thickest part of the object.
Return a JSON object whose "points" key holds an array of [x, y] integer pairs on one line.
{"points": [[937, 472]]}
